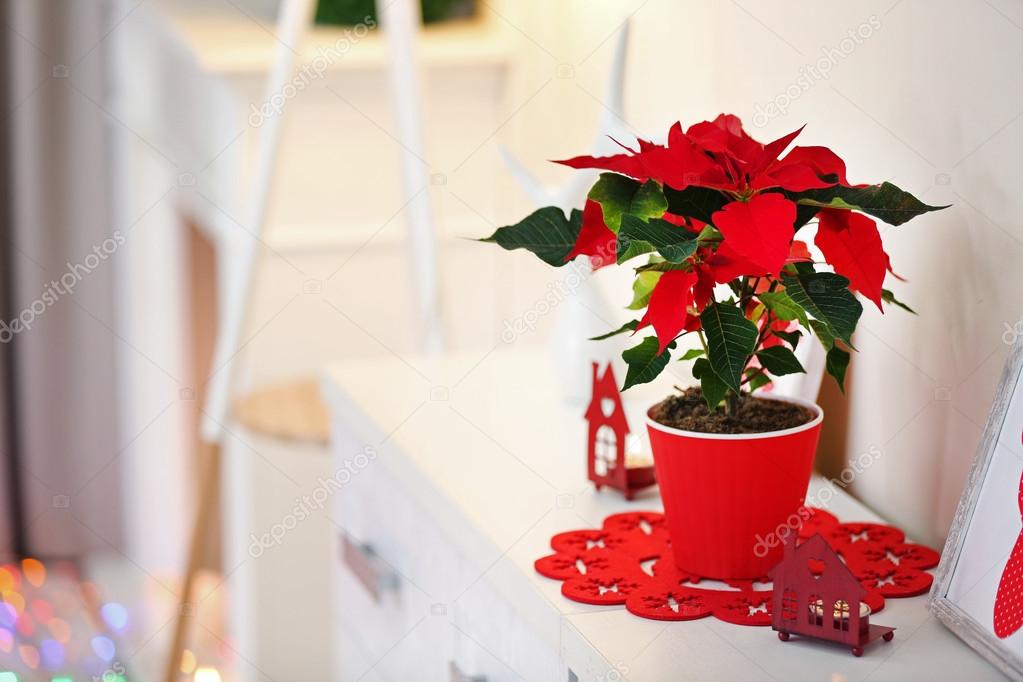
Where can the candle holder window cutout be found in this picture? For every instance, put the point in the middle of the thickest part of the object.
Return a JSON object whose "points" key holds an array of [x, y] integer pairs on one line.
{"points": [[817, 596], [611, 461]]}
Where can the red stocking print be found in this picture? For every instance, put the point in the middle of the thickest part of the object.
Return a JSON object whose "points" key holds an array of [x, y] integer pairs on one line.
{"points": [[1008, 615]]}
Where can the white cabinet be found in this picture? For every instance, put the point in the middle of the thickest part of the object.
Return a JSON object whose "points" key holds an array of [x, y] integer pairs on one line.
{"points": [[408, 599], [463, 492]]}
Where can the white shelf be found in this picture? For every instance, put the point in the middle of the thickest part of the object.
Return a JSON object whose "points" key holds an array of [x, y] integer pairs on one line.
{"points": [[496, 458], [235, 44]]}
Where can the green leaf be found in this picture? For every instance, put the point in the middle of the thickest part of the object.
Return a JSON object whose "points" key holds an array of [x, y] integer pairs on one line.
{"points": [[885, 201], [546, 232], [692, 354], [695, 202], [791, 338], [649, 201], [757, 379], [782, 305], [642, 287], [662, 266], [644, 361], [627, 327], [826, 297], [889, 297], [823, 333], [779, 361], [800, 268], [804, 214], [714, 389], [837, 363], [638, 236], [710, 234], [731, 340], [614, 193]]}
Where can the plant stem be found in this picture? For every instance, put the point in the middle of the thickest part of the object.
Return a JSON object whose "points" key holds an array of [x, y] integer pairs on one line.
{"points": [[731, 403]]}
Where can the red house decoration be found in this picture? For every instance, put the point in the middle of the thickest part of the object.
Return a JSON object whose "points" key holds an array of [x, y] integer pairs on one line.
{"points": [[816, 595], [608, 431]]}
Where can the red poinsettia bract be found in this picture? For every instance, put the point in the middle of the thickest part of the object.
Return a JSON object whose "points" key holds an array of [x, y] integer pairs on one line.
{"points": [[716, 213]]}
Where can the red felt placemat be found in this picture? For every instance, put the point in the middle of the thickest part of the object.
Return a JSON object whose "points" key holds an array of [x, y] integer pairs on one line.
{"points": [[628, 561]]}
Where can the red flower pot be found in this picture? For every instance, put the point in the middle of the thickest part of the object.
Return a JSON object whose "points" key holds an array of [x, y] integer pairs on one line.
{"points": [[729, 498]]}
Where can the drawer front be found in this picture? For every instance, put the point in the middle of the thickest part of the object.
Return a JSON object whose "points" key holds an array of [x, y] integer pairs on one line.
{"points": [[376, 511], [394, 575], [411, 602], [375, 641], [495, 642]]}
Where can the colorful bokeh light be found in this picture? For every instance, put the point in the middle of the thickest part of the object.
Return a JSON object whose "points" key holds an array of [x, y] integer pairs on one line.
{"points": [[35, 571], [115, 616], [104, 647], [52, 653], [188, 662], [8, 579], [60, 630], [29, 655], [206, 675]]}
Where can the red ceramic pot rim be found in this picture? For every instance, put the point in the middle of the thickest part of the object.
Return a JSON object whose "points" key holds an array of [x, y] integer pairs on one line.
{"points": [[746, 436]]}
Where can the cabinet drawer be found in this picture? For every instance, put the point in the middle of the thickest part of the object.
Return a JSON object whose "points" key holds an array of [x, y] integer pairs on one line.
{"points": [[376, 642], [395, 574], [376, 510], [494, 639], [421, 608]]}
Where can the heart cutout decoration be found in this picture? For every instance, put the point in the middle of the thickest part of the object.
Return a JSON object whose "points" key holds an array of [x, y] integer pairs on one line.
{"points": [[1008, 613]]}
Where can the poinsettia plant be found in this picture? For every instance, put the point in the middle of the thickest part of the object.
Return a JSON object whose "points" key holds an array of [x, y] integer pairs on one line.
{"points": [[715, 215]]}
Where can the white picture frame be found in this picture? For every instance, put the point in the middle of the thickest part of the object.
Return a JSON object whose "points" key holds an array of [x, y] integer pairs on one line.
{"points": [[984, 533]]}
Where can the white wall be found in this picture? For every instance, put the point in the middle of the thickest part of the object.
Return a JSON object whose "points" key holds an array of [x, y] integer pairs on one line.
{"points": [[921, 97], [922, 100]]}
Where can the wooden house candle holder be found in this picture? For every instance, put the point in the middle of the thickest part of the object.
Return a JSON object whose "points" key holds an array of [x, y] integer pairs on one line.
{"points": [[816, 595], [607, 463]]}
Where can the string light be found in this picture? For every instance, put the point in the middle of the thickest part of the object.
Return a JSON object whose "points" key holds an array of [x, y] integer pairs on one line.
{"points": [[115, 616], [6, 642], [35, 572], [30, 655], [39, 603], [60, 630], [42, 610], [8, 580], [103, 647], [52, 652], [14, 599], [8, 614], [206, 675], [187, 662]]}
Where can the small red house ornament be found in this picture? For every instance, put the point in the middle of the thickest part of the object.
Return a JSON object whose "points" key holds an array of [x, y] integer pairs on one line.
{"points": [[608, 430], [816, 595]]}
